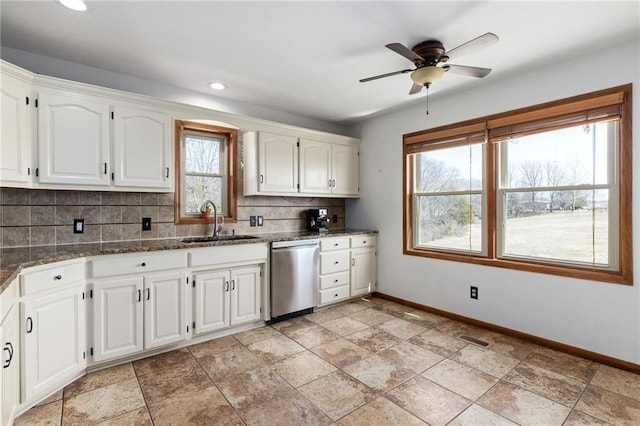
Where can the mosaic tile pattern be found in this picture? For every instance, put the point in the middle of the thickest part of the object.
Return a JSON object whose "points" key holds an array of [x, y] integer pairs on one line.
{"points": [[361, 363]]}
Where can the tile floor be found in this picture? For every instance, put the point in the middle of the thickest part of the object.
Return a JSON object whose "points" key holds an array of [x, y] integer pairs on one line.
{"points": [[364, 363]]}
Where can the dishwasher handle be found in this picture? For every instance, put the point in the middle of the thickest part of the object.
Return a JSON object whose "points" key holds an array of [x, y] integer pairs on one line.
{"points": [[292, 244]]}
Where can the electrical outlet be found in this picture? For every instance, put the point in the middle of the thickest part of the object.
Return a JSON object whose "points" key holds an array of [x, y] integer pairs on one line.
{"points": [[146, 224], [78, 226], [260, 220], [252, 221], [474, 292]]}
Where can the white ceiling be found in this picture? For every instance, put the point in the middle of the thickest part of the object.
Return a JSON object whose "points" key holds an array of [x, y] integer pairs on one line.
{"points": [[306, 57]]}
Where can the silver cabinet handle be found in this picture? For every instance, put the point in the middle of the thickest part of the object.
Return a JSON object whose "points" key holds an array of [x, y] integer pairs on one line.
{"points": [[261, 178], [353, 262], [29, 325], [148, 293], [227, 286], [139, 295], [167, 172], [9, 348]]}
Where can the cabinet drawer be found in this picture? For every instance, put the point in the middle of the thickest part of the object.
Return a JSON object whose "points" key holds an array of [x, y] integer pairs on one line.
{"points": [[334, 262], [334, 294], [363, 241], [105, 266], [328, 244], [334, 280], [51, 276]]}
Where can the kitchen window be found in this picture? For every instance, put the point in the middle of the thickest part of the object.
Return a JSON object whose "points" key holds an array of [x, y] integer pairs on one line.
{"points": [[205, 160], [543, 189]]}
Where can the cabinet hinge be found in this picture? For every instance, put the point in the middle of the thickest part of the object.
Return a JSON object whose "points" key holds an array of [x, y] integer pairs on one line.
{"points": [[297, 143], [27, 99], [298, 185]]}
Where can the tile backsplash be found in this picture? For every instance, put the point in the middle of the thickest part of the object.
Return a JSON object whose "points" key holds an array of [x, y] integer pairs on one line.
{"points": [[38, 217]]}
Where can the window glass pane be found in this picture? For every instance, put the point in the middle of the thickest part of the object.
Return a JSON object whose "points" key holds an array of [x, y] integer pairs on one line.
{"points": [[198, 189], [451, 222], [572, 156], [558, 225], [202, 155], [450, 169]]}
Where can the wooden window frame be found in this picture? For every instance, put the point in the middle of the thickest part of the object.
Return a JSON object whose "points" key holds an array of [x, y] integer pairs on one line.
{"points": [[562, 113], [231, 215]]}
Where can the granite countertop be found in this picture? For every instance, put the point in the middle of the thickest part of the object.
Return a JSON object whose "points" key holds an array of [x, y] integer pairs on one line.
{"points": [[13, 260]]}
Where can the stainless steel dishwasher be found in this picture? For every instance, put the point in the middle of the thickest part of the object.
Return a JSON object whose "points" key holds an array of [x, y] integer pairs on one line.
{"points": [[295, 277]]}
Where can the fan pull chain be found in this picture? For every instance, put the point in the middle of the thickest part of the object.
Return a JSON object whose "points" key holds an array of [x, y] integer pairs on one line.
{"points": [[427, 86]]}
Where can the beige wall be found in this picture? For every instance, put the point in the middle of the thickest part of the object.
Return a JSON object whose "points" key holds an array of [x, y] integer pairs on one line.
{"points": [[42, 217]]}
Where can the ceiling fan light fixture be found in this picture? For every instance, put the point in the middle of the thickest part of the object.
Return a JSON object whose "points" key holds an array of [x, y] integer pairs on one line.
{"points": [[427, 75]]}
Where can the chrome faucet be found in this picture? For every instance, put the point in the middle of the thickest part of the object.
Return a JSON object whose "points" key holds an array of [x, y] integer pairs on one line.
{"points": [[216, 227]]}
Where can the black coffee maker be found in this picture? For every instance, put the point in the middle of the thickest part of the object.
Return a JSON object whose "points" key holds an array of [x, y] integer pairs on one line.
{"points": [[318, 220]]}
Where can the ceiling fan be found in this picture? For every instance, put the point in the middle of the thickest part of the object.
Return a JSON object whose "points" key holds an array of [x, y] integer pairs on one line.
{"points": [[429, 58]]}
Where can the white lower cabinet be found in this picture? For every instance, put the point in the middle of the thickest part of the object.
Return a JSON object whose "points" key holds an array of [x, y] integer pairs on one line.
{"points": [[165, 303], [53, 338], [133, 314], [117, 318], [10, 371], [228, 297], [334, 269], [363, 265]]}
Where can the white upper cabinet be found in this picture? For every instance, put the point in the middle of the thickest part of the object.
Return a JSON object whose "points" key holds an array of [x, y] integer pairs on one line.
{"points": [[15, 142], [290, 165], [142, 149], [315, 166], [73, 139], [277, 163], [345, 170], [327, 168]]}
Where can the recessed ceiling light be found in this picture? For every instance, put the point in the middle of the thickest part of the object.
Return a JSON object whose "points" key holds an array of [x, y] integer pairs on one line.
{"points": [[78, 5], [216, 85]]}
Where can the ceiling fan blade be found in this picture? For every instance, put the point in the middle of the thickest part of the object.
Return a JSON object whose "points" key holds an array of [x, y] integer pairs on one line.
{"points": [[468, 71], [403, 50], [416, 88], [389, 74], [477, 43]]}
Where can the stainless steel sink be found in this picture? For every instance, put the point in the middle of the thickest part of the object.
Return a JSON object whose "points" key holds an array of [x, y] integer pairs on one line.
{"points": [[195, 240]]}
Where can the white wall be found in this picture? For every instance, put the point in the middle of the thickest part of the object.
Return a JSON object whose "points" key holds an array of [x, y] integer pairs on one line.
{"points": [[600, 317], [53, 67]]}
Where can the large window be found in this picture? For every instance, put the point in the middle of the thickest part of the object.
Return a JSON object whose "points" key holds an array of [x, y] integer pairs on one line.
{"points": [[206, 164], [544, 189]]}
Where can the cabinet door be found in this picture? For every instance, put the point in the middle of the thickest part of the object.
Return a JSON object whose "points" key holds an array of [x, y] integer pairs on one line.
{"points": [[245, 294], [278, 163], [345, 170], [142, 149], [363, 271], [165, 317], [10, 372], [54, 340], [212, 291], [315, 167], [15, 149], [73, 140], [117, 318]]}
